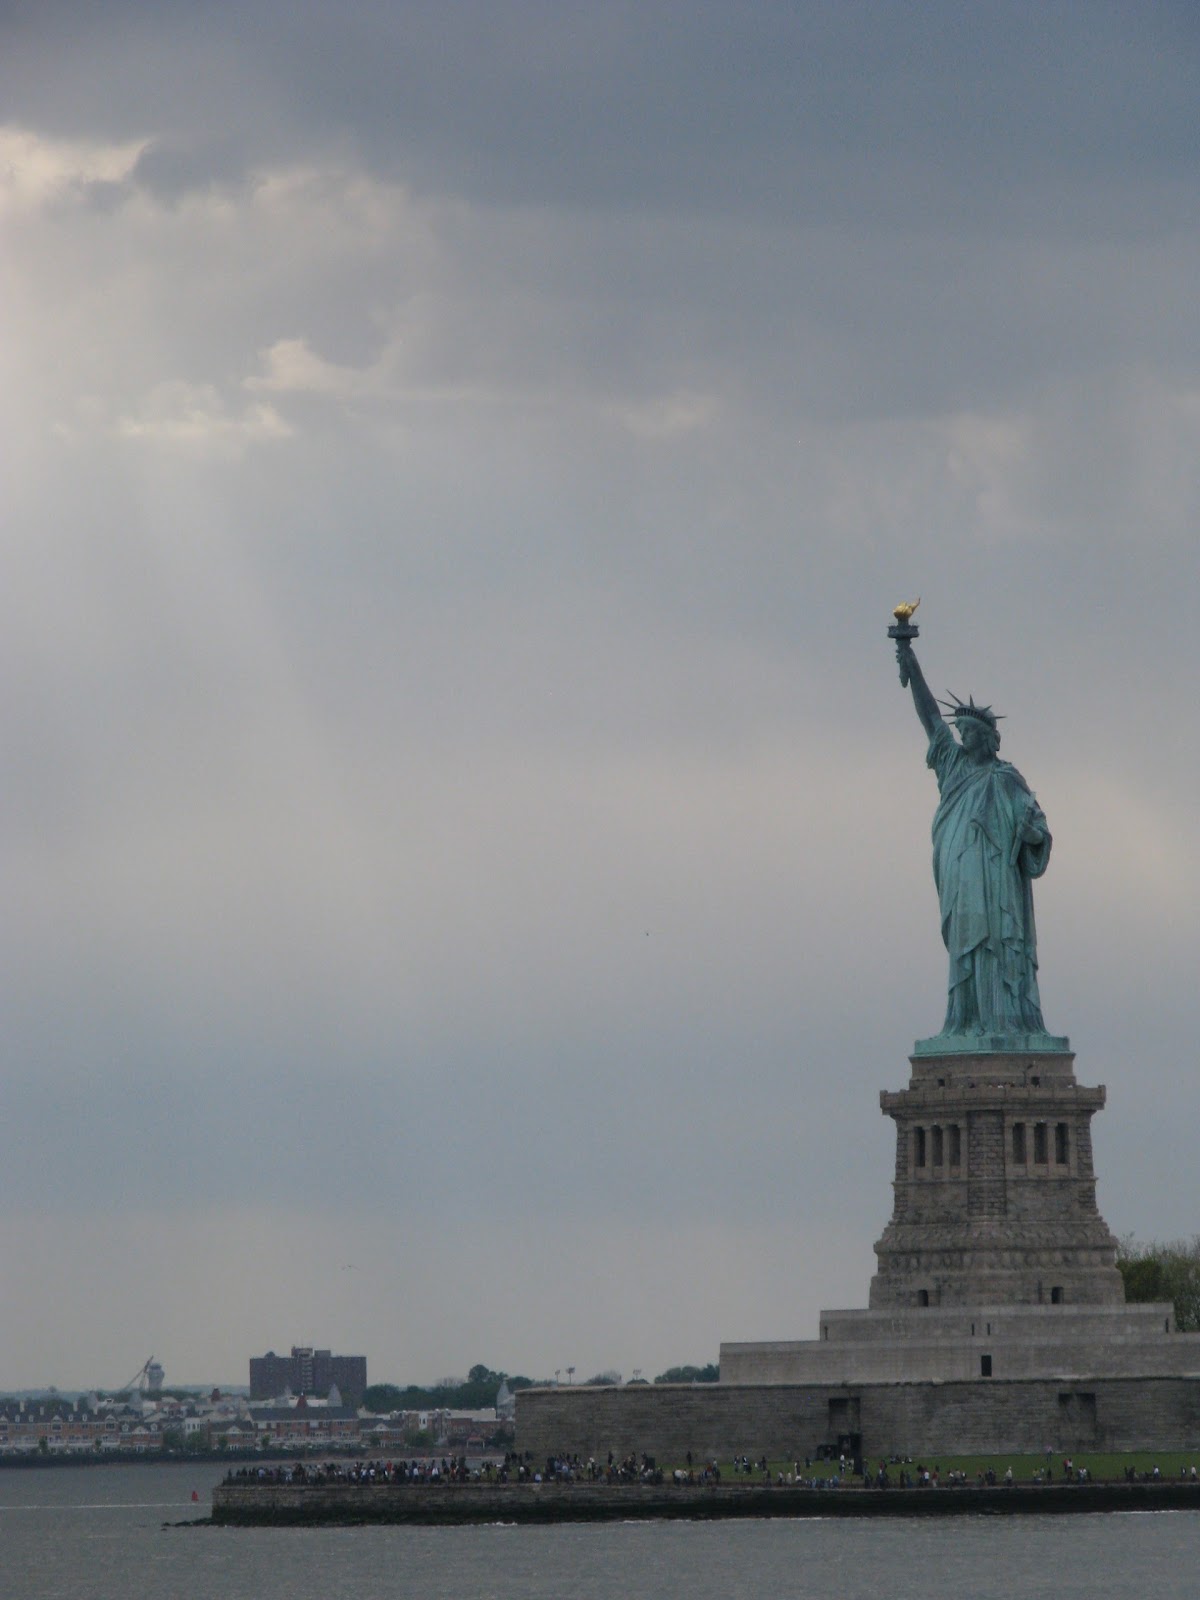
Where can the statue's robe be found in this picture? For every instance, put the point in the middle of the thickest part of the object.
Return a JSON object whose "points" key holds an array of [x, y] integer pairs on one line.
{"points": [[984, 875]]}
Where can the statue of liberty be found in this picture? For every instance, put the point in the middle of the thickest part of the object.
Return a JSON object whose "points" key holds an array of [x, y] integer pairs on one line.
{"points": [[990, 841]]}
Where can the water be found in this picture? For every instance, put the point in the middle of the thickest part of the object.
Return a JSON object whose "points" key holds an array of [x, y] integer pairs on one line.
{"points": [[96, 1533]]}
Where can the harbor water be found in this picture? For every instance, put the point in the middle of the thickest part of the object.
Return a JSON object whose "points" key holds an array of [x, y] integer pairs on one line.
{"points": [[91, 1533]]}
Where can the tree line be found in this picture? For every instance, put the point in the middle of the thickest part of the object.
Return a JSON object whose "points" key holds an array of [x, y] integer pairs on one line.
{"points": [[478, 1389]]}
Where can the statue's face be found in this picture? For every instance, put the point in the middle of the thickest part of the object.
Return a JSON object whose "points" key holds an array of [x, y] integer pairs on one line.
{"points": [[974, 737]]}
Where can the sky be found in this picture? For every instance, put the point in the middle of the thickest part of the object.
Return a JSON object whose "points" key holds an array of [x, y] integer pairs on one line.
{"points": [[463, 844]]}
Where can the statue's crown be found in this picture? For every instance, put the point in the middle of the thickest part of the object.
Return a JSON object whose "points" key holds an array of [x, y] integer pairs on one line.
{"points": [[958, 708]]}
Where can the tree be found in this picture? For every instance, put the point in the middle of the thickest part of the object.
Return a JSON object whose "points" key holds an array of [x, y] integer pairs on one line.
{"points": [[383, 1398], [475, 1392], [603, 1380], [1167, 1270], [708, 1374]]}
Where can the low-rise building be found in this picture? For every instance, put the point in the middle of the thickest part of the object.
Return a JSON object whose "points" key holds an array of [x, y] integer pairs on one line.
{"points": [[63, 1427], [302, 1425]]}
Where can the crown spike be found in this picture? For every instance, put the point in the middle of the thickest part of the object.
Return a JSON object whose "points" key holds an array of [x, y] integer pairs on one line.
{"points": [[968, 708]]}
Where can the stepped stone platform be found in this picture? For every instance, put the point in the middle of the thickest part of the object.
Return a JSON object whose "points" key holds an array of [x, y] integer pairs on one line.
{"points": [[937, 1346]]}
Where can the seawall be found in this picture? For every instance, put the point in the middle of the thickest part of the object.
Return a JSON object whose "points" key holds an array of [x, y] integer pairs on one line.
{"points": [[300, 1505]]}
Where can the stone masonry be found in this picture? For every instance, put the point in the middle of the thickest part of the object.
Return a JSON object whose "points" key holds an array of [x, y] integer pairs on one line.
{"points": [[995, 1191], [996, 1321], [790, 1421], [996, 1262]]}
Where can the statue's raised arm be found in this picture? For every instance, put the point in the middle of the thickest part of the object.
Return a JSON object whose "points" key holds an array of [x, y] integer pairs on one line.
{"points": [[911, 674]]}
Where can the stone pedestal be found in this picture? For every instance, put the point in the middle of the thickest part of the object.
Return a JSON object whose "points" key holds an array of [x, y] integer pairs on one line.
{"points": [[995, 1191]]}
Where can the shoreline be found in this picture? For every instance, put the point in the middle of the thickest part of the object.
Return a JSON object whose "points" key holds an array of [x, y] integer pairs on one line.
{"points": [[451, 1504]]}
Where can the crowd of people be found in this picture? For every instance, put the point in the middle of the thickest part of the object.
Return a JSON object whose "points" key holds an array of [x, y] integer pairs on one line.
{"points": [[366, 1473], [574, 1469], [643, 1469]]}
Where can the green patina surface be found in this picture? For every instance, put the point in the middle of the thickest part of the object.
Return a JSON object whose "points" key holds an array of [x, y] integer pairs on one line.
{"points": [[990, 841], [961, 1044]]}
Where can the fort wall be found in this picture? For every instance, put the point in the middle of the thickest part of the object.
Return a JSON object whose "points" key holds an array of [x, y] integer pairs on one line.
{"points": [[788, 1421]]}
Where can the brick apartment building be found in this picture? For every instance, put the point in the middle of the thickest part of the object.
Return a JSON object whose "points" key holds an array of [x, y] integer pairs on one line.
{"points": [[308, 1371]]}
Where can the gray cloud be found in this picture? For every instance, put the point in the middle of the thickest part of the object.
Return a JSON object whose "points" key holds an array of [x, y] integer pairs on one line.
{"points": [[838, 111]]}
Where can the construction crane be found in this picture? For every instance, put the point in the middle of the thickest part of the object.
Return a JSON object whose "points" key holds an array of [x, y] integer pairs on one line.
{"points": [[140, 1379]]}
